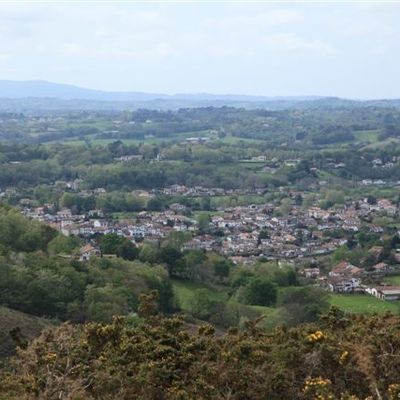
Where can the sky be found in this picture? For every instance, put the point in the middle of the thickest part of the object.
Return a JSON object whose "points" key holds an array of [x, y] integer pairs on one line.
{"points": [[346, 49]]}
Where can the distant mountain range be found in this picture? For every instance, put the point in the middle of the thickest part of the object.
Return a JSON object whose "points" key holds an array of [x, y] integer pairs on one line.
{"points": [[42, 95], [44, 89]]}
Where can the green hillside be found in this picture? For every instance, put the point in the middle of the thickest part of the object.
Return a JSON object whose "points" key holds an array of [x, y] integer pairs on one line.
{"points": [[10, 319]]}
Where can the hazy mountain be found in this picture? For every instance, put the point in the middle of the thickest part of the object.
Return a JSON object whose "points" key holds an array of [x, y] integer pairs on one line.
{"points": [[38, 96], [43, 89]]}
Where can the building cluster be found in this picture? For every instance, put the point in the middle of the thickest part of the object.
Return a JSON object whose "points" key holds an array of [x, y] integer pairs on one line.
{"points": [[248, 232], [201, 191], [348, 278]]}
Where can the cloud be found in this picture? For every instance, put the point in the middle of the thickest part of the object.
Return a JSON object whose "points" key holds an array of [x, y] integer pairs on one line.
{"points": [[203, 46], [4, 56], [264, 20], [367, 27], [250, 26], [282, 42]]}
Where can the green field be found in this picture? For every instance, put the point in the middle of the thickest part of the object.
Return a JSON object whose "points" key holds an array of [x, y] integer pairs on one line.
{"points": [[382, 144], [220, 201], [358, 304], [367, 136], [184, 292], [266, 311], [393, 280], [363, 304], [236, 139], [180, 137]]}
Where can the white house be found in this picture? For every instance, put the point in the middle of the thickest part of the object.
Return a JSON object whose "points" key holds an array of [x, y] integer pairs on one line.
{"points": [[390, 293], [340, 284]]}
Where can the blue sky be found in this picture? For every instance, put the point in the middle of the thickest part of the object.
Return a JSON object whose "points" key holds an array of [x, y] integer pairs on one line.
{"points": [[275, 49]]}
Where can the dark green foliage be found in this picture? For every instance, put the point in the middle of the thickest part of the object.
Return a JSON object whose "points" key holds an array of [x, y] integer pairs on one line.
{"points": [[222, 268], [118, 245], [34, 279], [303, 304], [172, 258], [202, 306], [157, 203], [260, 291], [333, 135], [18, 234]]}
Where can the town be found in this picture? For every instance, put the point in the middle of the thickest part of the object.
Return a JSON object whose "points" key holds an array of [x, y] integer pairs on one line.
{"points": [[294, 234]]}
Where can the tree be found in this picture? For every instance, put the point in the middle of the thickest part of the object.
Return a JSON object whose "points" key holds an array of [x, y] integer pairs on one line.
{"points": [[148, 304], [178, 238], [156, 203], [63, 244], [109, 243], [333, 197], [112, 243], [262, 235], [298, 200], [222, 268], [202, 305], [304, 304], [205, 203], [172, 258], [127, 250], [194, 261], [241, 277], [286, 206], [203, 221], [260, 291], [148, 254], [371, 199], [102, 303]]}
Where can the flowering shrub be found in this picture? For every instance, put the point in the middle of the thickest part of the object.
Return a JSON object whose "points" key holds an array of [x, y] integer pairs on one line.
{"points": [[317, 336], [351, 358], [318, 389]]}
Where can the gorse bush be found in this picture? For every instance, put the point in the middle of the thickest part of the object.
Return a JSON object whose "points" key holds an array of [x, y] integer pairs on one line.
{"points": [[343, 357]]}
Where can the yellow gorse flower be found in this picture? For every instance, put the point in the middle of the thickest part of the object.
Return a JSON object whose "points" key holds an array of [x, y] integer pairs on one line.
{"points": [[50, 357], [343, 357], [317, 382], [316, 336], [318, 388], [394, 390]]}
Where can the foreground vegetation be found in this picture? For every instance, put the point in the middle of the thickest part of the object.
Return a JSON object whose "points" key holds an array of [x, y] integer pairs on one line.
{"points": [[14, 323], [342, 357]]}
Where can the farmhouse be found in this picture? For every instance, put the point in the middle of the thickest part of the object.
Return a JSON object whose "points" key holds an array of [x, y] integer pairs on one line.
{"points": [[345, 269], [390, 293], [340, 284], [87, 251], [380, 267], [312, 273]]}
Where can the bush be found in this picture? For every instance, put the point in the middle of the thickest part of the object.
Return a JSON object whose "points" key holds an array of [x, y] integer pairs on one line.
{"points": [[261, 292]]}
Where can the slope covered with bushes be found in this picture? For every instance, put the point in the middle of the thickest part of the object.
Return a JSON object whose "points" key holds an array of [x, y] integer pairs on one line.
{"points": [[158, 358]]}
